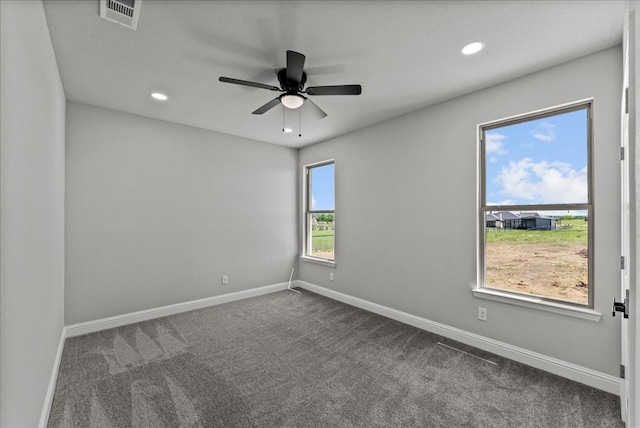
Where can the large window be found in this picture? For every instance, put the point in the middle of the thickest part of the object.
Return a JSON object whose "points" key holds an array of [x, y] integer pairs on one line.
{"points": [[536, 212], [320, 213]]}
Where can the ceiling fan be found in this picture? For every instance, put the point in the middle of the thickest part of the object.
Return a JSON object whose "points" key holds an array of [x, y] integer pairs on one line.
{"points": [[292, 80]]}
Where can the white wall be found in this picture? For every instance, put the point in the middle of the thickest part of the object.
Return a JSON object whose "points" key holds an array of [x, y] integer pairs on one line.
{"points": [[32, 162], [156, 213], [420, 172]]}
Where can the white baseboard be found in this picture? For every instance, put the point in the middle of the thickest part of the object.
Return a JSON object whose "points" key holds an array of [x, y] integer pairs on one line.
{"points": [[133, 317], [48, 398], [565, 369]]}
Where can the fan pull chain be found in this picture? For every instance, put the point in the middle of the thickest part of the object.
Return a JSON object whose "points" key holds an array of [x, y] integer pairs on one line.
{"points": [[282, 118], [299, 122]]}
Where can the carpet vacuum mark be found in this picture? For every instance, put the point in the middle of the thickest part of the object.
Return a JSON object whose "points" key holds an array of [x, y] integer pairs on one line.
{"points": [[303, 360]]}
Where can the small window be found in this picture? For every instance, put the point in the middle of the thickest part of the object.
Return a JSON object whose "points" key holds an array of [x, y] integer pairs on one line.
{"points": [[320, 213], [536, 212]]}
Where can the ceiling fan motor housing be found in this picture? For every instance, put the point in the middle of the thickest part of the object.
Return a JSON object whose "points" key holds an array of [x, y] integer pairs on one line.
{"points": [[291, 85]]}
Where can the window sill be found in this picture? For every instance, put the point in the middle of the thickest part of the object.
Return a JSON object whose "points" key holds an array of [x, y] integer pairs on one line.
{"points": [[538, 304], [324, 262]]}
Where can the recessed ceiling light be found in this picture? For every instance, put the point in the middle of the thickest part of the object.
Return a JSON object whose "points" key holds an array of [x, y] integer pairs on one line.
{"points": [[472, 48], [159, 96], [287, 130]]}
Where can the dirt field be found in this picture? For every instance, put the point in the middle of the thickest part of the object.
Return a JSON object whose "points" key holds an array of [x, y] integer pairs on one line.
{"points": [[539, 269], [323, 254]]}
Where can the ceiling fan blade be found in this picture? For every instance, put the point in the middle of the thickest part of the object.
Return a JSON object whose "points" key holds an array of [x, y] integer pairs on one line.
{"points": [[268, 106], [247, 83], [295, 66], [314, 110], [335, 90]]}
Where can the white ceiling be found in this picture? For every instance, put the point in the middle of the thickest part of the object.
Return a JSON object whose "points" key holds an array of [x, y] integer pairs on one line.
{"points": [[404, 54]]}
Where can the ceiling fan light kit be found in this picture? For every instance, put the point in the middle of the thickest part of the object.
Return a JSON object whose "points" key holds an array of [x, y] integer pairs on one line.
{"points": [[292, 80], [292, 101]]}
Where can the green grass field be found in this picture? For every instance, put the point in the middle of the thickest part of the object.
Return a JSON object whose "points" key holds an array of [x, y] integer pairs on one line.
{"points": [[322, 241], [574, 232]]}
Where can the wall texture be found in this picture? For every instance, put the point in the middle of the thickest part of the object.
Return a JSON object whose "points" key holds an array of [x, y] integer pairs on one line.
{"points": [[32, 172], [420, 172], [156, 213]]}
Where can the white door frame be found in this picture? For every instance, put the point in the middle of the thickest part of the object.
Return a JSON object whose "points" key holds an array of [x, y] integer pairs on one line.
{"points": [[626, 198], [631, 178]]}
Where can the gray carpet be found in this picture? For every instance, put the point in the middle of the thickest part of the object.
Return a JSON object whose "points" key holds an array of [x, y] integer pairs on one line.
{"points": [[302, 360]]}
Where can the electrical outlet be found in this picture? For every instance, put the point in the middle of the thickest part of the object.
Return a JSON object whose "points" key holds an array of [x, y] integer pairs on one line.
{"points": [[225, 279], [330, 276], [482, 314]]}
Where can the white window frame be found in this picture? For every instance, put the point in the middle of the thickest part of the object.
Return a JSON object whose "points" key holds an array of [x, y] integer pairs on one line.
{"points": [[573, 309], [307, 215]]}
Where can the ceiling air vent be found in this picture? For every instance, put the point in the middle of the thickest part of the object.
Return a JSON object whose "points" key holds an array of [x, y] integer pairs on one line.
{"points": [[124, 12]]}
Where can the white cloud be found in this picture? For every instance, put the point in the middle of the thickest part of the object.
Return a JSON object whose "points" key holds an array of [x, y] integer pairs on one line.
{"points": [[544, 132], [505, 202], [313, 202], [493, 144], [543, 182]]}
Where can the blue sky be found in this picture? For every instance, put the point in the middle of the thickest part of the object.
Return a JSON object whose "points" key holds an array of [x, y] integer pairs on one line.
{"points": [[543, 161], [323, 187]]}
